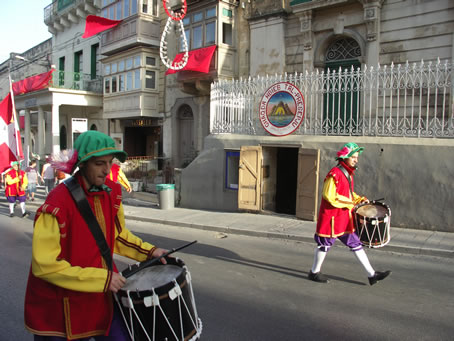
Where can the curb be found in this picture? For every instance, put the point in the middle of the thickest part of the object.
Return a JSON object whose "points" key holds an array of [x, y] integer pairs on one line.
{"points": [[391, 248], [263, 234]]}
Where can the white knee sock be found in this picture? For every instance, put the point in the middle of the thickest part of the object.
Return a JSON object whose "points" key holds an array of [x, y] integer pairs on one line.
{"points": [[364, 260], [11, 208], [22, 207], [319, 257]]}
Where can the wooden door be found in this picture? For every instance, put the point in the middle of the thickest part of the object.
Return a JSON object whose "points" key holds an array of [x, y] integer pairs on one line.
{"points": [[249, 178], [307, 184]]}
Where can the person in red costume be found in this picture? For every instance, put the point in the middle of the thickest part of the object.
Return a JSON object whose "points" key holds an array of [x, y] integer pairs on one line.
{"points": [[69, 293], [16, 184], [335, 220], [117, 175]]}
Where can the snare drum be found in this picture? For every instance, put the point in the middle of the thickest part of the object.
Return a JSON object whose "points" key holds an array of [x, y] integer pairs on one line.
{"points": [[157, 303], [372, 222]]}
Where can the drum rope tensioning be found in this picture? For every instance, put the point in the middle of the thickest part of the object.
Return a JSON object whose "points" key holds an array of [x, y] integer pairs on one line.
{"points": [[372, 223], [157, 302]]}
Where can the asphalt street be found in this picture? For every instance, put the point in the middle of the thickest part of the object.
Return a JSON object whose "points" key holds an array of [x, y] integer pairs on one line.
{"points": [[256, 288]]}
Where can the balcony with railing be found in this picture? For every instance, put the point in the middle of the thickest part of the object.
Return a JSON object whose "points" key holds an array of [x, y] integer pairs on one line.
{"points": [[61, 14], [135, 30], [77, 81]]}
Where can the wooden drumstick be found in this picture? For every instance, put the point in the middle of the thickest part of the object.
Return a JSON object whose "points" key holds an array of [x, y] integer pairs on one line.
{"points": [[131, 270]]}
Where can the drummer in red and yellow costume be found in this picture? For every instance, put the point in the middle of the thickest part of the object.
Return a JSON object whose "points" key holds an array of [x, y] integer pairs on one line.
{"points": [[117, 175], [69, 290], [16, 184], [335, 220]]}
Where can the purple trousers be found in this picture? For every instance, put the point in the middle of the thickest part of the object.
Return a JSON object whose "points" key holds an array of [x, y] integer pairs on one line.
{"points": [[349, 239], [118, 331], [20, 198]]}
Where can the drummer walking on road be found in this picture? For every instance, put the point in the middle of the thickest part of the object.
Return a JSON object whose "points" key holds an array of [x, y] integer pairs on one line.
{"points": [[335, 219], [69, 290]]}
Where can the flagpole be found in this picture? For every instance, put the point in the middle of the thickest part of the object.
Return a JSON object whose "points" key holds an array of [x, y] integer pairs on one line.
{"points": [[16, 125]]}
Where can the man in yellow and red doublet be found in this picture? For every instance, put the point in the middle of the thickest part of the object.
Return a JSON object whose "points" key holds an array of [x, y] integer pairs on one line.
{"points": [[16, 184], [335, 220], [117, 175], [69, 291]]}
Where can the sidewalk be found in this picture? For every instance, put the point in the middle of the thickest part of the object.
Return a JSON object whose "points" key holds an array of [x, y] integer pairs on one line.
{"points": [[144, 207]]}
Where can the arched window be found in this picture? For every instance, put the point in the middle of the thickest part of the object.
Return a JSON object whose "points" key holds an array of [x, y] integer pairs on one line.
{"points": [[343, 49]]}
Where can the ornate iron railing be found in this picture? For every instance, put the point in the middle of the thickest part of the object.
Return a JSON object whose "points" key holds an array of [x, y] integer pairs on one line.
{"points": [[76, 81], [413, 100]]}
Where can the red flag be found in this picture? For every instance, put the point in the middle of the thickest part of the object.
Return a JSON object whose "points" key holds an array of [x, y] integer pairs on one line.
{"points": [[95, 25], [10, 142], [198, 60], [34, 83]]}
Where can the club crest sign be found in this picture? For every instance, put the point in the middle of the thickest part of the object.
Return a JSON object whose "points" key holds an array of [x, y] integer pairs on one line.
{"points": [[281, 109]]}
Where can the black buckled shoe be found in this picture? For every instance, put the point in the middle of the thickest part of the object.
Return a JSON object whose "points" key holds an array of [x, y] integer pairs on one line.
{"points": [[379, 275], [317, 277]]}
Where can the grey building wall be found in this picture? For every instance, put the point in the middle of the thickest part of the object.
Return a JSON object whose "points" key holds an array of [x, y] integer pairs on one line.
{"points": [[413, 175]]}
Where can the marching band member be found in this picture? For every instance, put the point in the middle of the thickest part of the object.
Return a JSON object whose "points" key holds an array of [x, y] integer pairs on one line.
{"points": [[335, 220], [16, 184], [117, 175], [69, 291]]}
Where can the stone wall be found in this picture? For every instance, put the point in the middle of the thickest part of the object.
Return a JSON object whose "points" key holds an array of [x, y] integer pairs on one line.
{"points": [[413, 175]]}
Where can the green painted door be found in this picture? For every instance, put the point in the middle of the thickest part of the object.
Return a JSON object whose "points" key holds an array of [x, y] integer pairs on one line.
{"points": [[341, 100]]}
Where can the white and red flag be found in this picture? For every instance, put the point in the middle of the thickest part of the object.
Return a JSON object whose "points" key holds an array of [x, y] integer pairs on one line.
{"points": [[10, 141]]}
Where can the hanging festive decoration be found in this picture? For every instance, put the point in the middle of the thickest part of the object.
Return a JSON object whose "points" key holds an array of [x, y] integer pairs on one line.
{"points": [[174, 17], [177, 16]]}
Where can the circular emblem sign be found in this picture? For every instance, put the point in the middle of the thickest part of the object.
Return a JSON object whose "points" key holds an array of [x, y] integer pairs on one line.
{"points": [[281, 109]]}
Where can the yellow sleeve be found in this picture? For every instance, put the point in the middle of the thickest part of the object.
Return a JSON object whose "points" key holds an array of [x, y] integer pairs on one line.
{"points": [[46, 265], [129, 245], [357, 198], [123, 180], [24, 182], [330, 194], [11, 181]]}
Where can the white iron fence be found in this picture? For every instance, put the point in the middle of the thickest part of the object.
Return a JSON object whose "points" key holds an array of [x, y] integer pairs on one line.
{"points": [[412, 100]]}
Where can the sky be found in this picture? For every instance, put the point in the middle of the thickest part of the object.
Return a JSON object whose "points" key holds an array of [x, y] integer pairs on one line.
{"points": [[22, 25]]}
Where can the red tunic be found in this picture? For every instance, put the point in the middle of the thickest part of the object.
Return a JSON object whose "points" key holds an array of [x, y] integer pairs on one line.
{"points": [[114, 170], [332, 221], [15, 189], [52, 310]]}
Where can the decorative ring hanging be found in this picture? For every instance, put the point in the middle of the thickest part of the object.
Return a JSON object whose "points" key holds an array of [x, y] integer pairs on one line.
{"points": [[177, 16], [163, 47]]}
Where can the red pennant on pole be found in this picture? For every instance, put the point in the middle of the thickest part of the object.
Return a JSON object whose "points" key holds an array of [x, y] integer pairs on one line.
{"points": [[198, 60], [10, 141], [95, 25]]}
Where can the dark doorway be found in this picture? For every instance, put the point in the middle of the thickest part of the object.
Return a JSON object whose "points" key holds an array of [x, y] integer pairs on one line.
{"points": [[286, 180], [144, 142], [63, 144]]}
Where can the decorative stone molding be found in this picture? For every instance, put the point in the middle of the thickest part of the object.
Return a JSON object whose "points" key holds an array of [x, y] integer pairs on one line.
{"points": [[372, 17], [306, 28]]}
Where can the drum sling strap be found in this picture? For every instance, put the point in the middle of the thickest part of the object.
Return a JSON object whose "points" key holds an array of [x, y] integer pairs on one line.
{"points": [[348, 178], [85, 210]]}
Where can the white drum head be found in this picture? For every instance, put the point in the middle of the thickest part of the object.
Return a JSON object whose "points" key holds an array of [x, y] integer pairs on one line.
{"points": [[152, 277], [372, 211]]}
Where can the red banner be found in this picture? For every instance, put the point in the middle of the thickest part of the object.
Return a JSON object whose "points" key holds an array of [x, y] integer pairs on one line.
{"points": [[198, 60], [34, 83], [95, 25]]}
